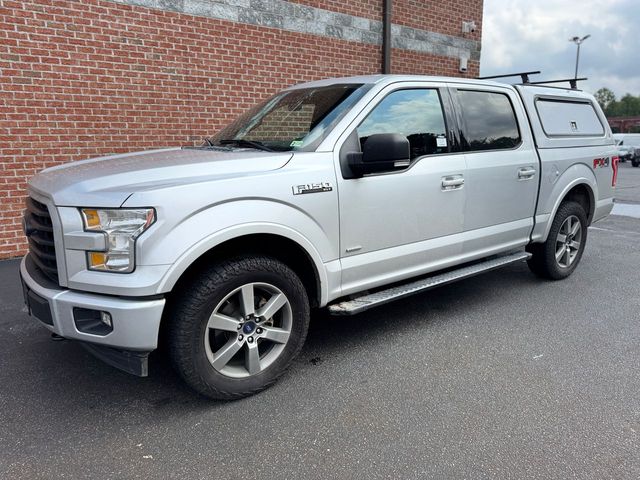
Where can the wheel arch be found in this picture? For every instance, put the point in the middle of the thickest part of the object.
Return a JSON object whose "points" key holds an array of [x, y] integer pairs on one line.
{"points": [[582, 194], [555, 189], [582, 190], [285, 245]]}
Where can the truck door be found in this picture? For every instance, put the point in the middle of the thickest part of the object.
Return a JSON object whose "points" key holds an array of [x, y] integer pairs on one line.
{"points": [[399, 223], [503, 169]]}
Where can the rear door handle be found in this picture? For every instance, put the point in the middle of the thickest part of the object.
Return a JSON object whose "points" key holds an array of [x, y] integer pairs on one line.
{"points": [[452, 182], [526, 173]]}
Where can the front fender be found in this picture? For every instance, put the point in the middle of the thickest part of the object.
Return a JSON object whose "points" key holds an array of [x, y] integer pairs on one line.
{"points": [[207, 243], [181, 244]]}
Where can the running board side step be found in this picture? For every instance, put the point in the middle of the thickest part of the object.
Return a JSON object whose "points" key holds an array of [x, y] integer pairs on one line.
{"points": [[370, 300]]}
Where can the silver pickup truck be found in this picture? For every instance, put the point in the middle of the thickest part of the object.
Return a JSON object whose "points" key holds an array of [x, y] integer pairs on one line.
{"points": [[345, 193]]}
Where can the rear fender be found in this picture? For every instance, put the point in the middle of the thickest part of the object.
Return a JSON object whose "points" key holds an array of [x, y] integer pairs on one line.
{"points": [[577, 174]]}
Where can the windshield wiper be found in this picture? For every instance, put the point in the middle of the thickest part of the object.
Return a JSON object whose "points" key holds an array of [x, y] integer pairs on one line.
{"points": [[245, 143], [207, 145]]}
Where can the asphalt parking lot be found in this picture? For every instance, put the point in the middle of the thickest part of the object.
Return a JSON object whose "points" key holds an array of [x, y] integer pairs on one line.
{"points": [[498, 376]]}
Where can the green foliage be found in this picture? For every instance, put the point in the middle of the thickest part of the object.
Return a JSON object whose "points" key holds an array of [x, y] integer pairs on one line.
{"points": [[605, 97], [627, 106]]}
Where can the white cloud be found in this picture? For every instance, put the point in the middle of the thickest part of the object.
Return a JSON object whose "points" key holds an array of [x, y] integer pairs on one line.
{"points": [[521, 35]]}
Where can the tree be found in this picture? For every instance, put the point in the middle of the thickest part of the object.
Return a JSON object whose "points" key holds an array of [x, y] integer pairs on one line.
{"points": [[629, 105], [605, 97]]}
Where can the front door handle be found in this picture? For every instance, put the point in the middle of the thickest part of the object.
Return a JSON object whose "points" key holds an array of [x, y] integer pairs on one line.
{"points": [[452, 182], [526, 173]]}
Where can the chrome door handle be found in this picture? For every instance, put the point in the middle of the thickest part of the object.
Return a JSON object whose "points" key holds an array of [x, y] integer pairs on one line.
{"points": [[526, 173], [452, 182]]}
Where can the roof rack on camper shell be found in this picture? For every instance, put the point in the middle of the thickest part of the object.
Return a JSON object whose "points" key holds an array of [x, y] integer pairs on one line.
{"points": [[524, 76], [573, 82]]}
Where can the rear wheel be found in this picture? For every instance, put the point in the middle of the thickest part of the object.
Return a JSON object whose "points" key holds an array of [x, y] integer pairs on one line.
{"points": [[635, 162], [237, 327], [559, 256]]}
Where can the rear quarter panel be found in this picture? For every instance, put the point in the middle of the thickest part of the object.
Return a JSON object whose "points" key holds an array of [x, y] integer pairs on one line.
{"points": [[567, 161]]}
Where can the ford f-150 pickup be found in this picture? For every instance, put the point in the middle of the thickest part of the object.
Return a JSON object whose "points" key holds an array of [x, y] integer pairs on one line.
{"points": [[342, 194]]}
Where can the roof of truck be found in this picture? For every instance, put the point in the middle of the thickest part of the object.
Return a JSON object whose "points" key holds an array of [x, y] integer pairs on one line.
{"points": [[387, 79], [532, 90], [383, 80]]}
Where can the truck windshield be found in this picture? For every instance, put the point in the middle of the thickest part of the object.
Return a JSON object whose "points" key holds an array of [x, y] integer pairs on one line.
{"points": [[296, 119]]}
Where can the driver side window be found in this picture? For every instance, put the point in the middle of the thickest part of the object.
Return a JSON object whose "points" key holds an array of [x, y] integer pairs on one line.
{"points": [[415, 113]]}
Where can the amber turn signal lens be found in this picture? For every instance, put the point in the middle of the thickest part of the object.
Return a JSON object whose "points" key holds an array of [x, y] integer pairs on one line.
{"points": [[92, 218], [97, 259]]}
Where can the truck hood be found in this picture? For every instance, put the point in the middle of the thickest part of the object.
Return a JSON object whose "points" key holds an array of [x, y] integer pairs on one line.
{"points": [[108, 181]]}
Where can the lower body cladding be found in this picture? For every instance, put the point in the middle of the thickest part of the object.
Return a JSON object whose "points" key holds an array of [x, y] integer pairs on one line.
{"points": [[120, 331]]}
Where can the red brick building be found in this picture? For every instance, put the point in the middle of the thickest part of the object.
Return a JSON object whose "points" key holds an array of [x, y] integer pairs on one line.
{"points": [[93, 77]]}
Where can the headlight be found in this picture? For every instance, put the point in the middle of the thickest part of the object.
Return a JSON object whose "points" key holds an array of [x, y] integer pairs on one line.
{"points": [[121, 227]]}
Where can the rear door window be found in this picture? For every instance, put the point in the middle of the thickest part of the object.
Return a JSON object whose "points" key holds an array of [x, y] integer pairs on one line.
{"points": [[489, 120], [568, 119]]}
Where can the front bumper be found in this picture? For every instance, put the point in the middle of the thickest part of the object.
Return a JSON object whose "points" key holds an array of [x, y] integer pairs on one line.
{"points": [[136, 322]]}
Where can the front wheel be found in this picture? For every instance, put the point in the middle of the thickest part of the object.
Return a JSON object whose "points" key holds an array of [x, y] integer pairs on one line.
{"points": [[635, 162], [237, 326], [559, 256]]}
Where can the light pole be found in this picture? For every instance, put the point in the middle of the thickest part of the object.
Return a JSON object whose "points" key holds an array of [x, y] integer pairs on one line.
{"points": [[578, 41]]}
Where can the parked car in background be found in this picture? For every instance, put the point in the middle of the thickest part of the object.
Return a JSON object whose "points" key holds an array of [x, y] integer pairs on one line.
{"points": [[625, 152], [628, 145]]}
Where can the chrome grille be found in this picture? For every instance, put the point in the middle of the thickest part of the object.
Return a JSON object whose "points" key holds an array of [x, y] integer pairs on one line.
{"points": [[39, 231]]}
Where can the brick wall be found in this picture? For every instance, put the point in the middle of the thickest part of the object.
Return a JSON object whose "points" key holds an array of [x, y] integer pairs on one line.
{"points": [[361, 8], [82, 79], [439, 16], [405, 61]]}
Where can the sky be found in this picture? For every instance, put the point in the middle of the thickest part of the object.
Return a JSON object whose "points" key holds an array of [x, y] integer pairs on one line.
{"points": [[522, 35]]}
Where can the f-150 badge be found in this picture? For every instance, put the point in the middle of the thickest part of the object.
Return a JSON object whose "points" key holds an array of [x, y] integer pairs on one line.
{"points": [[312, 188]]}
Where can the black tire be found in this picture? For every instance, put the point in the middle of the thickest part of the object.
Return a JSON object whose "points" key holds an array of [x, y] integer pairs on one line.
{"points": [[188, 317], [543, 261], [635, 162]]}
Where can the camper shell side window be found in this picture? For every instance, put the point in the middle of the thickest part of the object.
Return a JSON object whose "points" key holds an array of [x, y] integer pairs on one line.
{"points": [[568, 118]]}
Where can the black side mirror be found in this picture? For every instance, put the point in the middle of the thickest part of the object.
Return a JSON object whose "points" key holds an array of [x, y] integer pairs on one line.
{"points": [[381, 152]]}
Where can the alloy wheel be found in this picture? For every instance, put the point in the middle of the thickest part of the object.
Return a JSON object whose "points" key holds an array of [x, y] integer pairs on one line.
{"points": [[248, 330], [568, 241]]}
